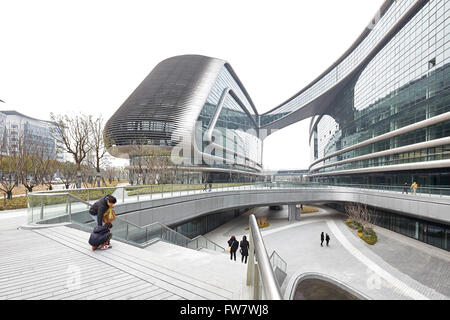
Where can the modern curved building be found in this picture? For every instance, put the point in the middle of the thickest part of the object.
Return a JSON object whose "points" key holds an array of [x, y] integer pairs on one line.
{"points": [[379, 115]]}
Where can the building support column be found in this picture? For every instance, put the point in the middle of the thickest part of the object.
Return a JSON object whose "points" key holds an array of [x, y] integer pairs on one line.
{"points": [[293, 212]]}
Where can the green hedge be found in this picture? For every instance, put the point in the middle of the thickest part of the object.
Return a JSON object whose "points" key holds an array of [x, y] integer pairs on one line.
{"points": [[369, 236], [353, 224]]}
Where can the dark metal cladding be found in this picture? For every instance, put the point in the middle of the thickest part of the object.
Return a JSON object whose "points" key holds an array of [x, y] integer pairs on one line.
{"points": [[166, 102]]}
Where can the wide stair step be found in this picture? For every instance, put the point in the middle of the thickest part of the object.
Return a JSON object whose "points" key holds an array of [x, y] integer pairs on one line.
{"points": [[184, 272]]}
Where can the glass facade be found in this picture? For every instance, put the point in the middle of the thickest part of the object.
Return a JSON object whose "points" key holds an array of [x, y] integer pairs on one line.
{"points": [[407, 81], [230, 118], [345, 66]]}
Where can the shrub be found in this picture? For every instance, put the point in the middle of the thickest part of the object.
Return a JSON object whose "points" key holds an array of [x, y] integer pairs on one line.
{"points": [[14, 203], [369, 236], [353, 224], [308, 209], [262, 223]]}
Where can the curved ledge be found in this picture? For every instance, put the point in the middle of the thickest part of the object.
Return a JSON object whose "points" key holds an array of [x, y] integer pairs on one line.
{"points": [[411, 147], [37, 226], [418, 125], [395, 167], [326, 278]]}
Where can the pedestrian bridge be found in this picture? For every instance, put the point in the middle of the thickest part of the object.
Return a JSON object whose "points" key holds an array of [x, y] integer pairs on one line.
{"points": [[175, 206]]}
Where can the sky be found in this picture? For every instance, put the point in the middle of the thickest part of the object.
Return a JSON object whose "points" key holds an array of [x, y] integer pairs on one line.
{"points": [[88, 56]]}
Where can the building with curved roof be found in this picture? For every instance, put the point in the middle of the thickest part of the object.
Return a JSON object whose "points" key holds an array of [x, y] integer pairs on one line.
{"points": [[379, 114]]}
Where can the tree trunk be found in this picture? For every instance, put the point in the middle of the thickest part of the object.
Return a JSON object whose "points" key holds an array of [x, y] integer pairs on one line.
{"points": [[98, 179], [78, 179]]}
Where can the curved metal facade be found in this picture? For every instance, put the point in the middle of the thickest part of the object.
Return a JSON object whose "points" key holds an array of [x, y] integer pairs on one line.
{"points": [[164, 107], [189, 102]]}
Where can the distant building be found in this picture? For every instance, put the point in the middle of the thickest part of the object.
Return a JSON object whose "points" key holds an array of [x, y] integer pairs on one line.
{"points": [[290, 175], [14, 125]]}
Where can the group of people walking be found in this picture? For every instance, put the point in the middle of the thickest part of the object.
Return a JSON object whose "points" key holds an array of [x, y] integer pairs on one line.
{"points": [[235, 244], [326, 238], [413, 187]]}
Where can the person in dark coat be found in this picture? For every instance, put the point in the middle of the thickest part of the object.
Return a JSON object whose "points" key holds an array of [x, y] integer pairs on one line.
{"points": [[327, 238], [321, 239], [210, 184], [405, 188], [101, 237], [99, 208], [234, 244], [244, 249]]}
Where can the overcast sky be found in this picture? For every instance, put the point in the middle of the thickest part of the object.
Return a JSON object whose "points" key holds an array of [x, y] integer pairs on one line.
{"points": [[67, 56]]}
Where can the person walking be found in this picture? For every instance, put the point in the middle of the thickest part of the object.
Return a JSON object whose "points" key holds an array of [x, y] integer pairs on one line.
{"points": [[244, 249], [233, 244], [327, 238], [321, 239], [210, 184], [99, 208], [405, 188], [414, 187], [101, 236]]}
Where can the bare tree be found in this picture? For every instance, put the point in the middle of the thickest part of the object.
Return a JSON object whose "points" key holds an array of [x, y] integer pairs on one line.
{"points": [[9, 164], [25, 154], [111, 173], [97, 145], [68, 173], [73, 133], [48, 169], [359, 213], [158, 166], [123, 174]]}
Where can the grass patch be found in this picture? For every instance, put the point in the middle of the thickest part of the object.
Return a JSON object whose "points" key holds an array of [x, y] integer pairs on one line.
{"points": [[262, 223], [369, 236], [308, 209], [87, 195], [133, 191], [353, 224], [14, 203]]}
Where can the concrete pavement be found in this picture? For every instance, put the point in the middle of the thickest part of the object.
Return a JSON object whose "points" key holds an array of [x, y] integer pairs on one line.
{"points": [[348, 260]]}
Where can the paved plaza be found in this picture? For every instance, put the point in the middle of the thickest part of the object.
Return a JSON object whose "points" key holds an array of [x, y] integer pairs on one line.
{"points": [[375, 272], [57, 263]]}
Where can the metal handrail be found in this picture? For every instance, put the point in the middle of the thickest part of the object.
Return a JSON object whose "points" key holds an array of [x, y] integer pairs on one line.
{"points": [[131, 223], [137, 187], [269, 283], [197, 237]]}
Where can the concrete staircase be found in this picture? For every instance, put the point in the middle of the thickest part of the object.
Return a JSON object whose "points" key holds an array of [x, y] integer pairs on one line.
{"points": [[173, 270]]}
